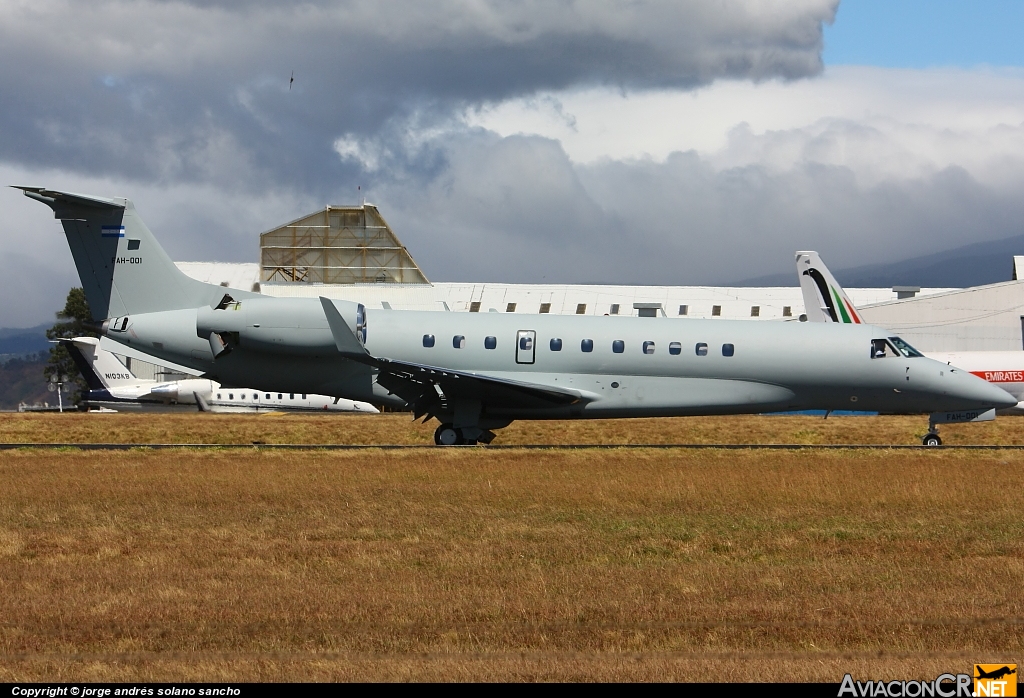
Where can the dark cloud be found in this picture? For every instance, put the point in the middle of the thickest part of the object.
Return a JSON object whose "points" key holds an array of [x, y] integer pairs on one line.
{"points": [[198, 91]]}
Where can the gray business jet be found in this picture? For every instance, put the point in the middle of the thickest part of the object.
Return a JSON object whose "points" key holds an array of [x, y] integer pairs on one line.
{"points": [[476, 373]]}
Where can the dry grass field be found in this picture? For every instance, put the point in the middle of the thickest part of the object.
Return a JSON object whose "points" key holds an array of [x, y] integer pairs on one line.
{"points": [[196, 428], [459, 564]]}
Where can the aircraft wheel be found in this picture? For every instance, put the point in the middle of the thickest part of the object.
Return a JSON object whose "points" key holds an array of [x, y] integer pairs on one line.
{"points": [[931, 440], [447, 435]]}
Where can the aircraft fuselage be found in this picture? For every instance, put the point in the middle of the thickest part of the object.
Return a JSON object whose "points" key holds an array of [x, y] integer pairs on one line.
{"points": [[620, 366]]}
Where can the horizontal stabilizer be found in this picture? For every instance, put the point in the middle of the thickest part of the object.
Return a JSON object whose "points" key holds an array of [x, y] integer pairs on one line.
{"points": [[62, 199]]}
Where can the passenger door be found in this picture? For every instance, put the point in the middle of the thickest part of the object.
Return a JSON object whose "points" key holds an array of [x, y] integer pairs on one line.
{"points": [[526, 346]]}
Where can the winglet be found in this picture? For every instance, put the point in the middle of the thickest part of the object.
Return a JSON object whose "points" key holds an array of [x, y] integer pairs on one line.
{"points": [[201, 402]]}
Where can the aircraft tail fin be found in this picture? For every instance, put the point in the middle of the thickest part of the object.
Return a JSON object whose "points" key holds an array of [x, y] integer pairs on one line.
{"points": [[824, 299], [123, 269], [101, 369], [83, 362]]}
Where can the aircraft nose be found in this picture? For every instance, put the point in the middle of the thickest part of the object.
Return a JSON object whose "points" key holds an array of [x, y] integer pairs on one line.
{"points": [[985, 393]]}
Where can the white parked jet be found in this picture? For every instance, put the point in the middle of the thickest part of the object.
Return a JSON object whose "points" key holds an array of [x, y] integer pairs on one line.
{"points": [[112, 385], [476, 372], [826, 301]]}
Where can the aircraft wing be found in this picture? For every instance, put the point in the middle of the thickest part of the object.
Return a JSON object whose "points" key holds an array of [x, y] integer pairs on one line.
{"points": [[426, 386]]}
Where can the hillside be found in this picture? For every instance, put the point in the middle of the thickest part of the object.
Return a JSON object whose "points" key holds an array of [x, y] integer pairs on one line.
{"points": [[976, 264], [21, 380], [22, 341]]}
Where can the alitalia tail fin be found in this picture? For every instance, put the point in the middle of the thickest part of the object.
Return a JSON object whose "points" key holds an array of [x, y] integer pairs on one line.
{"points": [[824, 299], [123, 269]]}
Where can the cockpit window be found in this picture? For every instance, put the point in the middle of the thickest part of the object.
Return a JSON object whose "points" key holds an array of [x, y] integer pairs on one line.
{"points": [[881, 349], [904, 348]]}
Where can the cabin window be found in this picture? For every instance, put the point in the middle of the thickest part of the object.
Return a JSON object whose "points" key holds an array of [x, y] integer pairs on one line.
{"points": [[675, 348], [556, 345], [755, 311], [587, 345], [459, 341], [428, 340], [134, 244], [474, 307], [267, 397], [581, 308], [614, 310], [716, 310], [701, 349], [618, 346], [684, 310], [231, 396], [303, 396], [510, 308], [545, 308], [280, 396], [648, 347], [787, 311], [218, 396], [291, 396], [490, 342], [728, 349], [255, 396]]}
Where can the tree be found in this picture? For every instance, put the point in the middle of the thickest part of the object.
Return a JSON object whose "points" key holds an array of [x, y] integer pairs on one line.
{"points": [[73, 321]]}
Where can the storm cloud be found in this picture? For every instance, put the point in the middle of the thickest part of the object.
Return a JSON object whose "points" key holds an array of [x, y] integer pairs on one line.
{"points": [[609, 142], [199, 91]]}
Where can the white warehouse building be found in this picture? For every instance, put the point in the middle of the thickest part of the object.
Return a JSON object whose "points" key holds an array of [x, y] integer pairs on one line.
{"points": [[350, 253], [983, 318]]}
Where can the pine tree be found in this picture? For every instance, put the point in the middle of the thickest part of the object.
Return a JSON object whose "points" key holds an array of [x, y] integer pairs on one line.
{"points": [[72, 321]]}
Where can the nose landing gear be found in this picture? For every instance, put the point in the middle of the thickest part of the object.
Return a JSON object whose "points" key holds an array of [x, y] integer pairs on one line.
{"points": [[932, 438]]}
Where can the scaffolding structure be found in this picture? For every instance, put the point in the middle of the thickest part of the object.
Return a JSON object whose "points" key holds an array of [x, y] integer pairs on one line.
{"points": [[337, 245]]}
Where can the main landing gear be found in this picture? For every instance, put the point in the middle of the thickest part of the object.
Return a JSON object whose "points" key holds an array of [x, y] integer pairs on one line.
{"points": [[449, 435]]}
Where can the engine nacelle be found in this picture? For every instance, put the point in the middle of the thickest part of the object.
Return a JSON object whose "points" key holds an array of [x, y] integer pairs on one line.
{"points": [[168, 392], [276, 325]]}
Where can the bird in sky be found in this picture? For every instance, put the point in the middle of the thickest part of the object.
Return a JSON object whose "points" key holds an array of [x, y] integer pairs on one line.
{"points": [[290, 81]]}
